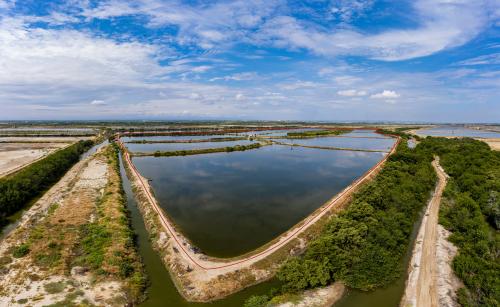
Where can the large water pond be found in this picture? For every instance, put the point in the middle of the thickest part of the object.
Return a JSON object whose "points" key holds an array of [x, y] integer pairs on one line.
{"points": [[384, 144], [364, 133], [281, 132], [232, 203], [458, 131], [173, 137], [134, 147]]}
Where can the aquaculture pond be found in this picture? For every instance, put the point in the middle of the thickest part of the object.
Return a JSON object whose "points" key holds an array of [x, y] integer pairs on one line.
{"points": [[157, 138], [152, 147], [458, 131], [280, 132], [362, 133], [383, 144], [232, 203]]}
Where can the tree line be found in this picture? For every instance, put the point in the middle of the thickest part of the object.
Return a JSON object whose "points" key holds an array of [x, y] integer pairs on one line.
{"points": [[18, 189]]}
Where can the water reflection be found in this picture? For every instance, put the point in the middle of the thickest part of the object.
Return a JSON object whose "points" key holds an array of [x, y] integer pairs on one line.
{"points": [[231, 203]]}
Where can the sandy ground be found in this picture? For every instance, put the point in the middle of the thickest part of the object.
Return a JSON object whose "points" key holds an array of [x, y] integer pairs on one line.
{"points": [[494, 143], [447, 282], [202, 278], [431, 281], [14, 156], [22, 282], [321, 297], [44, 139]]}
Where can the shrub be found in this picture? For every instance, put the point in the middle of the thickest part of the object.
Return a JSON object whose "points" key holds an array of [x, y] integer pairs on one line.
{"points": [[20, 251], [54, 287]]}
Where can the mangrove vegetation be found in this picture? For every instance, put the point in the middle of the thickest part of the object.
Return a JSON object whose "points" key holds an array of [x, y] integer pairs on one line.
{"points": [[471, 211]]}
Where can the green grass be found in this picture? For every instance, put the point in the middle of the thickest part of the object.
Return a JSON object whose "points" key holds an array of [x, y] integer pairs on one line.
{"points": [[21, 251], [95, 238]]}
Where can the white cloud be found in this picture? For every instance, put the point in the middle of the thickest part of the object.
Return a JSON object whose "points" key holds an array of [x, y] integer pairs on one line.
{"points": [[201, 68], [488, 59], [244, 76], [443, 24], [6, 4], [386, 94], [98, 102], [206, 25], [346, 10], [42, 56], [351, 93], [299, 84]]}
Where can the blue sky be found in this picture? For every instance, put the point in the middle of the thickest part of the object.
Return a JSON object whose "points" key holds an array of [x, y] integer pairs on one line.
{"points": [[340, 60]]}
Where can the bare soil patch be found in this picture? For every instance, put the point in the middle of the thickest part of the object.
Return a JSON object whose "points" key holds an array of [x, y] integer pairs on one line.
{"points": [[494, 143], [43, 139], [14, 156], [320, 297]]}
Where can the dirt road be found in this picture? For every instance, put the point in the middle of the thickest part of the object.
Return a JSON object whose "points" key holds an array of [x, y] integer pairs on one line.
{"points": [[422, 285]]}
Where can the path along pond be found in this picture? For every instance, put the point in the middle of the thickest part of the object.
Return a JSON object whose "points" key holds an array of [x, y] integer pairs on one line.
{"points": [[232, 203]]}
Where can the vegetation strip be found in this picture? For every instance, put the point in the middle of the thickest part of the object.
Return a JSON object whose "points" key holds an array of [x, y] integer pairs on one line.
{"points": [[316, 133], [329, 148], [17, 189], [198, 151], [198, 133], [188, 141]]}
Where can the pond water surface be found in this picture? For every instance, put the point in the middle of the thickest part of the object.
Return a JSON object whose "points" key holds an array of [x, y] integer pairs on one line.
{"points": [[134, 147], [347, 142], [161, 290], [458, 131], [174, 137], [232, 203]]}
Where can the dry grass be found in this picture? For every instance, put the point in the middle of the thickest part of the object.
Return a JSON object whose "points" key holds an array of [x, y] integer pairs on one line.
{"points": [[88, 227]]}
